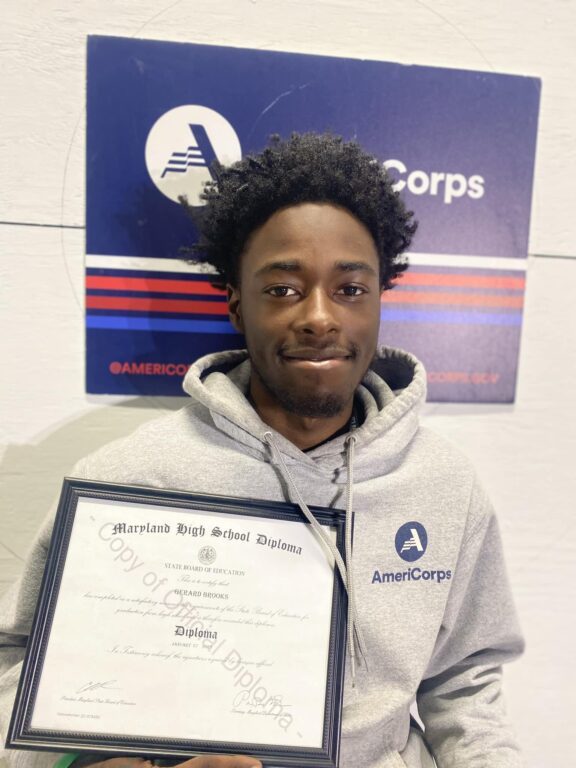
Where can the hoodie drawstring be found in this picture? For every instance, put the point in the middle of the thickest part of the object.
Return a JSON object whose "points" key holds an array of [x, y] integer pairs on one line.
{"points": [[355, 639]]}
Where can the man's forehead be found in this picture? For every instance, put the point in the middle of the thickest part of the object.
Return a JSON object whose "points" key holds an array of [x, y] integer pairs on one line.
{"points": [[292, 233], [302, 265]]}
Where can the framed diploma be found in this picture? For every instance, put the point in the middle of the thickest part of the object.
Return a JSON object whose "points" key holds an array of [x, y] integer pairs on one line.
{"points": [[171, 624]]}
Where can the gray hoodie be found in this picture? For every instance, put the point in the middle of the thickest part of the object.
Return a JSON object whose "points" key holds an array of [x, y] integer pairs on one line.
{"points": [[432, 600]]}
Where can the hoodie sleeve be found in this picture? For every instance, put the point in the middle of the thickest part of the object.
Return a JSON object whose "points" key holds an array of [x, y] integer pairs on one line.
{"points": [[17, 608], [16, 613], [460, 699], [18, 604]]}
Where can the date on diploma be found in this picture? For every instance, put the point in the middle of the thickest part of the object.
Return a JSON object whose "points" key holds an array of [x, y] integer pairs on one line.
{"points": [[228, 634]]}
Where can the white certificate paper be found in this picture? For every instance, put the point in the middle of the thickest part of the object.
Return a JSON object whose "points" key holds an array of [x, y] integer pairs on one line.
{"points": [[188, 624]]}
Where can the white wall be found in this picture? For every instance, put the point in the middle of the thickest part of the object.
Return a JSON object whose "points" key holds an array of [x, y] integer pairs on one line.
{"points": [[525, 453]]}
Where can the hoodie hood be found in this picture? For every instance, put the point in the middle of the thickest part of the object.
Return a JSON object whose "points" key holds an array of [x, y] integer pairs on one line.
{"points": [[391, 394]]}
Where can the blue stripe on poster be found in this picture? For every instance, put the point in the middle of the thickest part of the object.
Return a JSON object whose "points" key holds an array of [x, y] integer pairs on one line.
{"points": [[158, 324], [223, 326], [458, 318]]}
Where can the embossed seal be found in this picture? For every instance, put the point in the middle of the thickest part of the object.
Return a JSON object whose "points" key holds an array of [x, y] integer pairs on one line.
{"points": [[207, 555]]}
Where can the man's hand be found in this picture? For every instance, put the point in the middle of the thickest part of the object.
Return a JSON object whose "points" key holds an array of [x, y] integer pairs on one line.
{"points": [[221, 761], [204, 761]]}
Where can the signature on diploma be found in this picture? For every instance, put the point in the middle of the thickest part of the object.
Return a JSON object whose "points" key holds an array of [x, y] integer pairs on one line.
{"points": [[105, 685], [256, 703]]}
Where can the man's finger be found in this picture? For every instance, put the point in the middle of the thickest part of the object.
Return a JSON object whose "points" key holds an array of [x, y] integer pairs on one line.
{"points": [[221, 761], [113, 762]]}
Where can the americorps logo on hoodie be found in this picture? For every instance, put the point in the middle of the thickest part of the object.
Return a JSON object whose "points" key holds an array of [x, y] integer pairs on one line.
{"points": [[411, 543]]}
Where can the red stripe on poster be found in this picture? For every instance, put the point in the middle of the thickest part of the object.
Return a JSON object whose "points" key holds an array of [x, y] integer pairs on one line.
{"points": [[198, 287], [152, 285], [136, 304]]}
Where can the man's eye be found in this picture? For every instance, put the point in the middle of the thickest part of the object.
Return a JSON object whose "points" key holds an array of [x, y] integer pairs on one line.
{"points": [[352, 290], [281, 290]]}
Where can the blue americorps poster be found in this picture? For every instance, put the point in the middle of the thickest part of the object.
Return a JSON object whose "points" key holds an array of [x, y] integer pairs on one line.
{"points": [[460, 146]]}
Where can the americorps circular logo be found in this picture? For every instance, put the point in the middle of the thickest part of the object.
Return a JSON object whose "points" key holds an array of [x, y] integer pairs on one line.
{"points": [[411, 541], [181, 147]]}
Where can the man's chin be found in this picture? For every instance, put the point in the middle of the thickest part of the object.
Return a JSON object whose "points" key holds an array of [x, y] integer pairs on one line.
{"points": [[306, 398], [317, 406]]}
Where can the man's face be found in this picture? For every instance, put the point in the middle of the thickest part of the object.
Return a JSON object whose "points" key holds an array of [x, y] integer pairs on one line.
{"points": [[308, 303]]}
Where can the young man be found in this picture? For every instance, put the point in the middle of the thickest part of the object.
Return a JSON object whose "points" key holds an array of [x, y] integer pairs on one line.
{"points": [[306, 236]]}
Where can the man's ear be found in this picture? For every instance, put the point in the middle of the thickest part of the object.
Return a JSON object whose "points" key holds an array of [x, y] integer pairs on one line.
{"points": [[234, 312]]}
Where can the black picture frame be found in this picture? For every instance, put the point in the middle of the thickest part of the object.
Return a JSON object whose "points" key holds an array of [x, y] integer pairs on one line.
{"points": [[22, 735]]}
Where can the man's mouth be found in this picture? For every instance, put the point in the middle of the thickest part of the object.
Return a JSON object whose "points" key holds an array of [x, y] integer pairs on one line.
{"points": [[317, 358]]}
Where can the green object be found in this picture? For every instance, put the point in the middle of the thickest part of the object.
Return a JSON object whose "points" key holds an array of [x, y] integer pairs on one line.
{"points": [[66, 760]]}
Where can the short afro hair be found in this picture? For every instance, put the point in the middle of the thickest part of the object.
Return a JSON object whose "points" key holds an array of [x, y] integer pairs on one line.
{"points": [[307, 168]]}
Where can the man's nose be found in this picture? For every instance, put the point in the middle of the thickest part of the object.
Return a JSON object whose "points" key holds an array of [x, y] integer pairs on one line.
{"points": [[317, 314]]}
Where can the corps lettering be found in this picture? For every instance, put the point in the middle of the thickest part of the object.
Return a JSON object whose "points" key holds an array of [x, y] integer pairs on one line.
{"points": [[449, 186]]}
